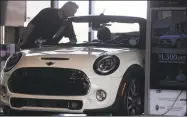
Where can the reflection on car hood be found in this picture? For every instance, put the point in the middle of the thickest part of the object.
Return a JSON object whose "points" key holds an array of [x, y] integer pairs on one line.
{"points": [[81, 58], [73, 50]]}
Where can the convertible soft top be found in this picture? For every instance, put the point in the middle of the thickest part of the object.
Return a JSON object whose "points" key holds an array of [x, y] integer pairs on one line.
{"points": [[108, 18]]}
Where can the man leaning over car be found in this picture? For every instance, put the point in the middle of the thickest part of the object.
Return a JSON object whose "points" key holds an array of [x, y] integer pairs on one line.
{"points": [[46, 23]]}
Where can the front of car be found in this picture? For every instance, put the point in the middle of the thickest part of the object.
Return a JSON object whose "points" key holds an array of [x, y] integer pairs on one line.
{"points": [[68, 78]]}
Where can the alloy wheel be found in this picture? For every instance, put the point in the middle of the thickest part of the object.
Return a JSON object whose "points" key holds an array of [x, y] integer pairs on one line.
{"points": [[133, 100]]}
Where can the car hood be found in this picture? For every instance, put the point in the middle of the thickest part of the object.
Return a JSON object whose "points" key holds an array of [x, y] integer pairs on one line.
{"points": [[81, 58], [55, 51]]}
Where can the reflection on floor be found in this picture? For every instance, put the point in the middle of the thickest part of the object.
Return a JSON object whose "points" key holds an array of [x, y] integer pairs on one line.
{"points": [[1, 114], [74, 115]]}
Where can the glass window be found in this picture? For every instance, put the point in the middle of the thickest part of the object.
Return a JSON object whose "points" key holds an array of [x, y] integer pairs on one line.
{"points": [[33, 8], [166, 14], [122, 8], [125, 8], [160, 13], [117, 34], [121, 28], [81, 29]]}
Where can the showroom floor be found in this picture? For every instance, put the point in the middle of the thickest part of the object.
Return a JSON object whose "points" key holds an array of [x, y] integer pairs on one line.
{"points": [[1, 114]]}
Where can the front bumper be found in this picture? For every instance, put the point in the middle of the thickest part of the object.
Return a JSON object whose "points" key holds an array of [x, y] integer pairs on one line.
{"points": [[89, 101]]}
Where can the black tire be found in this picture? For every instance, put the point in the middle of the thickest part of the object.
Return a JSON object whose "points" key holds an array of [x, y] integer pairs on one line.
{"points": [[132, 102]]}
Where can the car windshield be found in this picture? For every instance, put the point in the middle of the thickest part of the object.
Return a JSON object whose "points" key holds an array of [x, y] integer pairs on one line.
{"points": [[104, 33]]}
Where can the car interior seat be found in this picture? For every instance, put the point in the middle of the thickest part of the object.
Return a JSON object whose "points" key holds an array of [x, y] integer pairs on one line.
{"points": [[103, 35]]}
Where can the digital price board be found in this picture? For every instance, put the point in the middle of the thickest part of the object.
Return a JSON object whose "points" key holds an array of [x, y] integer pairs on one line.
{"points": [[168, 49], [168, 33], [168, 3]]}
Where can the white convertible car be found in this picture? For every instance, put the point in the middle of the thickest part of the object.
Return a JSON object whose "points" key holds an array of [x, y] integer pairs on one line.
{"points": [[94, 77]]}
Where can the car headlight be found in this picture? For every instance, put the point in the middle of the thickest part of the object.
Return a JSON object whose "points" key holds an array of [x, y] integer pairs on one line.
{"points": [[106, 64], [12, 61]]}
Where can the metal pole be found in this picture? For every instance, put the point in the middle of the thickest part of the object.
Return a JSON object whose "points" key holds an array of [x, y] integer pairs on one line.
{"points": [[147, 61], [54, 3], [91, 12], [2, 34], [89, 25], [3, 7]]}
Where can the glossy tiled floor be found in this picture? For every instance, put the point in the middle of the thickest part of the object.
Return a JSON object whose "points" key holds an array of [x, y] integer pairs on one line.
{"points": [[1, 114]]}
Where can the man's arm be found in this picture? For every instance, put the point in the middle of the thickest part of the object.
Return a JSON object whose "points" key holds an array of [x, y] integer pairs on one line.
{"points": [[26, 33], [70, 33], [67, 32], [30, 27]]}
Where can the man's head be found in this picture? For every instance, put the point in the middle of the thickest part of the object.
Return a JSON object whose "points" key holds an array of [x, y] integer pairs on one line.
{"points": [[69, 9]]}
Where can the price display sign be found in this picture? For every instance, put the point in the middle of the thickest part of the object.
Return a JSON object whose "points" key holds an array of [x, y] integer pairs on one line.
{"points": [[168, 49], [171, 58], [168, 3]]}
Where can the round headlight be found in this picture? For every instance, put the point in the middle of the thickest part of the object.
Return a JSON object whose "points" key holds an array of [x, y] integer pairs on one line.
{"points": [[12, 61], [106, 64]]}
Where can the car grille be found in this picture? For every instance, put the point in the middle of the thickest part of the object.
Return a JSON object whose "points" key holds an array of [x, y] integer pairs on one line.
{"points": [[49, 81]]}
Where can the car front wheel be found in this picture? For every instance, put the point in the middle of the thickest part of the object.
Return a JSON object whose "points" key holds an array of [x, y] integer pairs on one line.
{"points": [[132, 102]]}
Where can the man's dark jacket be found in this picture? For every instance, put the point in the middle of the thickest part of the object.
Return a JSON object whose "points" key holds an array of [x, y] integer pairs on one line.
{"points": [[47, 23]]}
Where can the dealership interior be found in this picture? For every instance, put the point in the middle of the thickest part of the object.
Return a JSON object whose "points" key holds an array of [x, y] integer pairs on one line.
{"points": [[102, 58]]}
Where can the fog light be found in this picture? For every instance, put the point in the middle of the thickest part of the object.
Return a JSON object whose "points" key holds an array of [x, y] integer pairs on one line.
{"points": [[101, 95], [75, 105]]}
